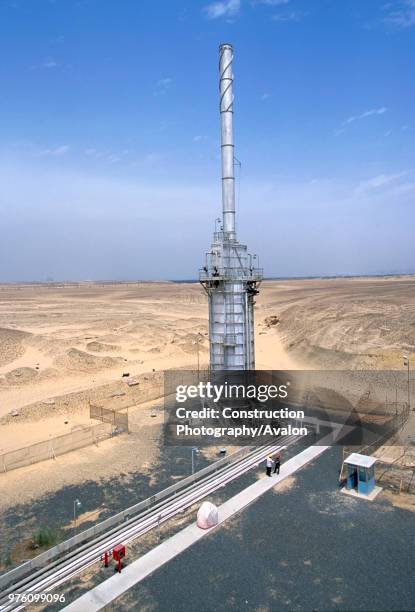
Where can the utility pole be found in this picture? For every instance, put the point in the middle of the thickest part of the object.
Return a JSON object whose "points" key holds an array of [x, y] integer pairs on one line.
{"points": [[76, 505], [195, 450], [406, 363]]}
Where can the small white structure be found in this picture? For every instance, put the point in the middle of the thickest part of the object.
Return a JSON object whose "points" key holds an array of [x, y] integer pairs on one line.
{"points": [[207, 516]]}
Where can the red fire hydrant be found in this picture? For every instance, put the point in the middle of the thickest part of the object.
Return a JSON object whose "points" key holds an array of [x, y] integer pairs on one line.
{"points": [[106, 558]]}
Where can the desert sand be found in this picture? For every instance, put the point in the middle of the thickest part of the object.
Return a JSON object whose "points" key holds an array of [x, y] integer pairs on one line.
{"points": [[62, 346]]}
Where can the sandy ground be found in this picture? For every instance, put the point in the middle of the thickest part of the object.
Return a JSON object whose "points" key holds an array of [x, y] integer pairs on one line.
{"points": [[118, 456], [63, 346], [343, 323]]}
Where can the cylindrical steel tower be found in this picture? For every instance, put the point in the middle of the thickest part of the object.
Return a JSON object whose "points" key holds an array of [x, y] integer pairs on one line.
{"points": [[227, 146], [229, 277]]}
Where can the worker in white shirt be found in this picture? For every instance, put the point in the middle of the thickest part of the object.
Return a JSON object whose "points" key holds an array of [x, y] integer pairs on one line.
{"points": [[269, 464]]}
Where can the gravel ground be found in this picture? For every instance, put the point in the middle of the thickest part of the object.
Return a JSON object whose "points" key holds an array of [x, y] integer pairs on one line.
{"points": [[307, 547], [101, 498]]}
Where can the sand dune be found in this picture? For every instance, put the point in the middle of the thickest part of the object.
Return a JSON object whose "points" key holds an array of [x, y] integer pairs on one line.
{"points": [[11, 343], [81, 361], [101, 347], [357, 323], [61, 347], [61, 340]]}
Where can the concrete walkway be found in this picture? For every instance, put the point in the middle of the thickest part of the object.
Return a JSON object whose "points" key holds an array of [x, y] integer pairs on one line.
{"points": [[110, 589]]}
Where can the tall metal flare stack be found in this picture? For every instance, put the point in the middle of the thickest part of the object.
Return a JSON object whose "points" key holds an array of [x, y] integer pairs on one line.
{"points": [[229, 275]]}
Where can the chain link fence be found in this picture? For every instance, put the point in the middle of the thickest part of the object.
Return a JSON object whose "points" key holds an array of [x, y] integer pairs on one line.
{"points": [[112, 413], [106, 415], [52, 448]]}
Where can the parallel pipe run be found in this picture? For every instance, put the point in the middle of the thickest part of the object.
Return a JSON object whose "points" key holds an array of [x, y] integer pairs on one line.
{"points": [[227, 145], [90, 553]]}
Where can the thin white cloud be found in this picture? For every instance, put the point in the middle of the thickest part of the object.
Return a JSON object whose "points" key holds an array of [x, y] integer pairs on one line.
{"points": [[105, 155], [404, 188], [112, 159], [291, 16], [59, 40], [271, 2], [368, 113], [265, 96], [50, 64], [226, 8], [61, 150], [382, 181], [162, 86], [55, 152], [402, 15], [152, 159]]}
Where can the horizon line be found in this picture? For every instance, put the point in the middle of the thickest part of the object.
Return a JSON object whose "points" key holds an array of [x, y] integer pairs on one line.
{"points": [[53, 282]]}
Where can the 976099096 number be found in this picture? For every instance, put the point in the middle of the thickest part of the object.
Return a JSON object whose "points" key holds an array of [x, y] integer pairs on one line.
{"points": [[36, 597]]}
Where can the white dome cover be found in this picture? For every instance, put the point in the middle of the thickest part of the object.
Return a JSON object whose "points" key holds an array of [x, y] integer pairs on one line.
{"points": [[207, 516]]}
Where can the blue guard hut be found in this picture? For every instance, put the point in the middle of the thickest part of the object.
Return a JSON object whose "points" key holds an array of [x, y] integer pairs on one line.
{"points": [[360, 476]]}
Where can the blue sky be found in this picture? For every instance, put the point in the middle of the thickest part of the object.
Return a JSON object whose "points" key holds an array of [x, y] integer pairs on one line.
{"points": [[109, 135]]}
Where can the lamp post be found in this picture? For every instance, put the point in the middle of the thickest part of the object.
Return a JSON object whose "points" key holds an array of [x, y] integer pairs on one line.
{"points": [[198, 358], [76, 505], [406, 363], [195, 450]]}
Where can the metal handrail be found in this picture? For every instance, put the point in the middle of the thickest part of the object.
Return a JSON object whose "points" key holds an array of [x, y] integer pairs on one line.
{"points": [[237, 274]]}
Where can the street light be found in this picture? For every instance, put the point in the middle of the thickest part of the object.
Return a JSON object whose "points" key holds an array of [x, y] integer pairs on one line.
{"points": [[406, 363], [195, 450], [76, 505]]}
